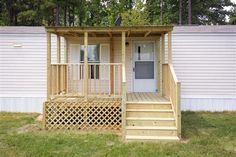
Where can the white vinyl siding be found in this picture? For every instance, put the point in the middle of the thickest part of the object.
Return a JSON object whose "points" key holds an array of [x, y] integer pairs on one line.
{"points": [[205, 64], [23, 69], [23, 72]]}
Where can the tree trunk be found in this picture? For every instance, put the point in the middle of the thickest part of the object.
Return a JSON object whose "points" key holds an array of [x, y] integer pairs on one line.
{"points": [[189, 12], [161, 16], [180, 11], [57, 22], [65, 13], [73, 16]]}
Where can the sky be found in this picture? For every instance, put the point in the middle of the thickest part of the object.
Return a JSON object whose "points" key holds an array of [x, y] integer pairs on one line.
{"points": [[233, 1]]}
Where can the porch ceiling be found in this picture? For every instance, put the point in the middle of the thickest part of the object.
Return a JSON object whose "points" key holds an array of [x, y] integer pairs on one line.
{"points": [[137, 31]]}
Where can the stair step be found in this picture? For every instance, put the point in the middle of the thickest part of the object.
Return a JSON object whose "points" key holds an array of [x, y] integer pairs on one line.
{"points": [[150, 118], [149, 103], [151, 128], [153, 113], [149, 121], [149, 106], [158, 138], [148, 110]]}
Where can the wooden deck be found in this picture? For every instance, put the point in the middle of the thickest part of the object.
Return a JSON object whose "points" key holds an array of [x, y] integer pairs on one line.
{"points": [[145, 97]]}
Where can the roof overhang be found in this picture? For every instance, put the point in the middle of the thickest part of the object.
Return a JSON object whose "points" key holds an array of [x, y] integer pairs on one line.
{"points": [[110, 31]]}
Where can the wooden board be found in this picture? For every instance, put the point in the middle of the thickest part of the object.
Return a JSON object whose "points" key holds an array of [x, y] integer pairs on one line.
{"points": [[145, 97]]}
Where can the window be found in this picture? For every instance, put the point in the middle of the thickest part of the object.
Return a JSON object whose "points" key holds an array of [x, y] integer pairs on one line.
{"points": [[93, 53], [144, 60], [93, 57]]}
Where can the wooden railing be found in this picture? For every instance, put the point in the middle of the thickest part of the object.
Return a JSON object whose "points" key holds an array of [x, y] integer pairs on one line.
{"points": [[58, 79], [171, 89], [104, 79]]}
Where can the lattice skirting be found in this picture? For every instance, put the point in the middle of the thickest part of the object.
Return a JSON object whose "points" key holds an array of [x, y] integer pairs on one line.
{"points": [[104, 114]]}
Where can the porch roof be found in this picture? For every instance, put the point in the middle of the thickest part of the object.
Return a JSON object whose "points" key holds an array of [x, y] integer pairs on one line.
{"points": [[111, 30]]}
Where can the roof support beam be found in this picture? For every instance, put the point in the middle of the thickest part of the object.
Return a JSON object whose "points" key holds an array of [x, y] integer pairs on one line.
{"points": [[93, 34], [128, 34], [121, 29], [146, 34], [110, 34]]}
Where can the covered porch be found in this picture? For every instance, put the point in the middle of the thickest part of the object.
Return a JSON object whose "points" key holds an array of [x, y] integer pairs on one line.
{"points": [[82, 76], [105, 85]]}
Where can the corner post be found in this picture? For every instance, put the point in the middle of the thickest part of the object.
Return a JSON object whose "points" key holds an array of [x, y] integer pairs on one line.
{"points": [[85, 84], [169, 47], [123, 105], [48, 64]]}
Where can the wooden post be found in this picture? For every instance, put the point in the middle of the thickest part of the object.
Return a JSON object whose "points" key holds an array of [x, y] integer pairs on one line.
{"points": [[67, 66], [85, 85], [58, 49], [178, 108], [123, 107], [111, 66], [169, 48], [163, 48], [162, 61], [159, 66], [123, 50], [48, 65], [65, 50]]}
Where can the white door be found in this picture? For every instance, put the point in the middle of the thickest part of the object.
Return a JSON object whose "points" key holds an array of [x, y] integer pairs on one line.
{"points": [[144, 67]]}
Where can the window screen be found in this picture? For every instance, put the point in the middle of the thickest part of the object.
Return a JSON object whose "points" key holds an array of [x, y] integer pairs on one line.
{"points": [[144, 70]]}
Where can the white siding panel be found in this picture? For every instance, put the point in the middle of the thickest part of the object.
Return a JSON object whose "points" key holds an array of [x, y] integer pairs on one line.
{"points": [[22, 104], [208, 104], [205, 64], [23, 69]]}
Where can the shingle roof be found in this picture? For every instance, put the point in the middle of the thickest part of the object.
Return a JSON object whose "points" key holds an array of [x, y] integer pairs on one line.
{"points": [[177, 29]]}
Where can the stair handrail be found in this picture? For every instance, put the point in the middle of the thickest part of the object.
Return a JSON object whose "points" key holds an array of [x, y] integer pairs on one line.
{"points": [[172, 90]]}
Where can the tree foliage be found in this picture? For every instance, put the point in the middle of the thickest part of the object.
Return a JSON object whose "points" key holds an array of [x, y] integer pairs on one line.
{"points": [[104, 12]]}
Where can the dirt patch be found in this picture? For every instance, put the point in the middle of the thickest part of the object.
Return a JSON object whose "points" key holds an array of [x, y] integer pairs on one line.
{"points": [[184, 141], [28, 128]]}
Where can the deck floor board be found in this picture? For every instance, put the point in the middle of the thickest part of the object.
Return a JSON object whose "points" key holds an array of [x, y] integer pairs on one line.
{"points": [[145, 97]]}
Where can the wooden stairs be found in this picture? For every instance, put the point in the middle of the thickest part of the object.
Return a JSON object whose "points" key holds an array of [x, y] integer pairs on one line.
{"points": [[154, 121]]}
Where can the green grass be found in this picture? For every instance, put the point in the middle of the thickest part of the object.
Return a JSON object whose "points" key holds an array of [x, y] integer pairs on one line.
{"points": [[204, 134]]}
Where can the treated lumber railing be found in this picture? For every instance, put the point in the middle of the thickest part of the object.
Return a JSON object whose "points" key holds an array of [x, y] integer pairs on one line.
{"points": [[67, 79], [171, 89], [58, 79]]}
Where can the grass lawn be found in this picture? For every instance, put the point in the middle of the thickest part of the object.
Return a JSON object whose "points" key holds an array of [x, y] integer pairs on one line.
{"points": [[204, 134]]}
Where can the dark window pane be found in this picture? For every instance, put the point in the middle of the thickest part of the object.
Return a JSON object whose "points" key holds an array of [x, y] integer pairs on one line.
{"points": [[92, 72], [93, 53], [144, 70]]}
